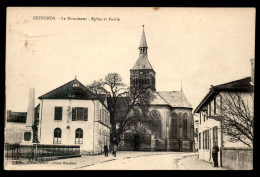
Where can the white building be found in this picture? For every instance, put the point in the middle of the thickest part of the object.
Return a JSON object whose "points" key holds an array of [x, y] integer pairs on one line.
{"points": [[210, 128], [72, 115]]}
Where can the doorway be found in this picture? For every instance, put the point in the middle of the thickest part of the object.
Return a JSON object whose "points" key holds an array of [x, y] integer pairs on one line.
{"points": [[136, 142]]}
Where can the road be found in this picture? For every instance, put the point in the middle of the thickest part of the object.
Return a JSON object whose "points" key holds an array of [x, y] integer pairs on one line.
{"points": [[125, 161]]}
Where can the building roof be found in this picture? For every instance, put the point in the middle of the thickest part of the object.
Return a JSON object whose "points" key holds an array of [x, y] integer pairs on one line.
{"points": [[175, 98], [238, 85], [71, 90], [158, 99], [241, 85], [16, 116], [20, 117]]}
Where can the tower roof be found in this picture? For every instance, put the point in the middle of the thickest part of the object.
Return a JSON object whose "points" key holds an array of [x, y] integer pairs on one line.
{"points": [[142, 63], [143, 40]]}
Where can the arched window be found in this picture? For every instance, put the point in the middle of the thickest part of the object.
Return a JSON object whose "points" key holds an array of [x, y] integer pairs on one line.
{"points": [[57, 136], [174, 125], [156, 123], [185, 126], [79, 136]]}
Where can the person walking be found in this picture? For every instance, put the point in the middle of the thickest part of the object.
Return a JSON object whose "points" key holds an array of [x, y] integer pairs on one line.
{"points": [[215, 154], [106, 150], [114, 150]]}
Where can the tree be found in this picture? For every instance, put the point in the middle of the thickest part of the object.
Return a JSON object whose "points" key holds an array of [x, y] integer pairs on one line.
{"points": [[237, 116], [127, 106]]}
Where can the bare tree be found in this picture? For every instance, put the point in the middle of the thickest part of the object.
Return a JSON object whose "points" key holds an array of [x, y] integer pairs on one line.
{"points": [[127, 106], [97, 87], [237, 117]]}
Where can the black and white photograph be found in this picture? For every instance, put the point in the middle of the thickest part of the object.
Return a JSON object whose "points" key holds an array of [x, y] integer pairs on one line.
{"points": [[129, 88]]}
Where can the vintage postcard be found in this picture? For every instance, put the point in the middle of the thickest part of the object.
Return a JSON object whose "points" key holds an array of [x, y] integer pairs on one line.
{"points": [[137, 88]]}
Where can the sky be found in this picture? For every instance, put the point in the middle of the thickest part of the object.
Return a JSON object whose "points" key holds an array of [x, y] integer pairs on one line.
{"points": [[199, 47]]}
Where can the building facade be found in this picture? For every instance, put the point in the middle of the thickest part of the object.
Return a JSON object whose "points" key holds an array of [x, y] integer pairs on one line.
{"points": [[72, 115], [211, 107], [169, 126]]}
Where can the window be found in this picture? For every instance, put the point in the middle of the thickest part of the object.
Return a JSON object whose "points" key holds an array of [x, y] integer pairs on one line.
{"points": [[215, 134], [203, 143], [79, 114], [215, 105], [79, 136], [210, 108], [199, 140], [103, 115], [57, 136], [206, 139], [207, 110], [185, 126], [200, 117], [58, 113]]}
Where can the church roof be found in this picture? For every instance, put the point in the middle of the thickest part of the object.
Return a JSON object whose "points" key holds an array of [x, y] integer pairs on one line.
{"points": [[175, 98], [71, 90], [142, 63], [143, 40], [158, 100]]}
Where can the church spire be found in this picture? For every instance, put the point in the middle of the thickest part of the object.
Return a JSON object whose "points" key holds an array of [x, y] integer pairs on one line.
{"points": [[142, 73], [143, 45]]}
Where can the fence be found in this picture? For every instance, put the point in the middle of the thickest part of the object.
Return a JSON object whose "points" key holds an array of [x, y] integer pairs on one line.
{"points": [[237, 158], [36, 151]]}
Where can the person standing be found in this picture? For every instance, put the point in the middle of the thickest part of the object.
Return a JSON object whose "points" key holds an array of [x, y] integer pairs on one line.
{"points": [[215, 154], [114, 150], [106, 150]]}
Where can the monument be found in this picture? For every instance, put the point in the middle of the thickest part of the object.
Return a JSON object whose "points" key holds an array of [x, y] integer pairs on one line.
{"points": [[28, 133]]}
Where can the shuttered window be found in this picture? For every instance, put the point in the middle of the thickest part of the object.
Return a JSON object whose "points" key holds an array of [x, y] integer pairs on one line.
{"points": [[215, 134], [58, 113], [199, 140], [79, 114]]}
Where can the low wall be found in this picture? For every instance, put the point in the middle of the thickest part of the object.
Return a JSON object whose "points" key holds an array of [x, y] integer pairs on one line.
{"points": [[237, 158]]}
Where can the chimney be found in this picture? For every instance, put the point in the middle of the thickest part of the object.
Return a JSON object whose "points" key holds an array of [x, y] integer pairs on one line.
{"points": [[252, 71], [30, 110]]}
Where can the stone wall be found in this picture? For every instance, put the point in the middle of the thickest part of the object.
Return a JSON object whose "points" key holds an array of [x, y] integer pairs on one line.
{"points": [[237, 158]]}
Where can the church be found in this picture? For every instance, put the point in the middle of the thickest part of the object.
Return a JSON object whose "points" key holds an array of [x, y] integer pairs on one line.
{"points": [[170, 111]]}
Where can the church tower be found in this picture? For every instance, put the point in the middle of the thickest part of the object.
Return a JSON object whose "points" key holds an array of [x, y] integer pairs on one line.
{"points": [[142, 73]]}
